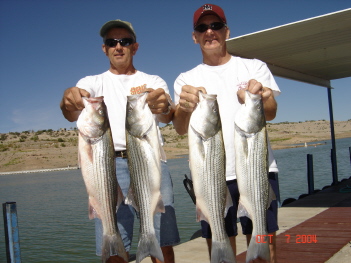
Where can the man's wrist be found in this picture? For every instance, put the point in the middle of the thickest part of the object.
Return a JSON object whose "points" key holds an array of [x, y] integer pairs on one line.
{"points": [[168, 109]]}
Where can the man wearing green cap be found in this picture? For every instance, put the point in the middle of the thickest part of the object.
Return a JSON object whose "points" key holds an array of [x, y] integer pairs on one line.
{"points": [[120, 81]]}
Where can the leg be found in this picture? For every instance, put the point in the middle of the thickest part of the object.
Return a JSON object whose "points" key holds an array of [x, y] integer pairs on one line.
{"points": [[232, 241], [168, 255], [248, 238], [229, 221], [125, 215], [165, 223], [272, 217], [116, 259], [233, 244], [257, 260], [209, 246], [272, 222], [272, 248]]}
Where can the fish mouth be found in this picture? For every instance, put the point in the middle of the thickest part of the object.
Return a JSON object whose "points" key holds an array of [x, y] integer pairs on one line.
{"points": [[136, 101], [136, 97], [208, 96], [252, 95]]}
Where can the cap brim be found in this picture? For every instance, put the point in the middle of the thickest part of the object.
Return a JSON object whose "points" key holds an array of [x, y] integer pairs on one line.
{"points": [[112, 24]]}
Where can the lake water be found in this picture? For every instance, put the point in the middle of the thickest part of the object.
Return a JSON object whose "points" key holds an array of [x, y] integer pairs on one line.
{"points": [[53, 212]]}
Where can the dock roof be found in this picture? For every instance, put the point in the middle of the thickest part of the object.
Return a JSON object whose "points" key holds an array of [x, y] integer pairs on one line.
{"points": [[314, 50]]}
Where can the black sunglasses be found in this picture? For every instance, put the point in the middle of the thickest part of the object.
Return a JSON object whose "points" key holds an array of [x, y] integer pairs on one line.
{"points": [[213, 26], [124, 42]]}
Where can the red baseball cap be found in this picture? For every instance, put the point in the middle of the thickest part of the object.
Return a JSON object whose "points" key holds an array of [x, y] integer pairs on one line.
{"points": [[209, 9]]}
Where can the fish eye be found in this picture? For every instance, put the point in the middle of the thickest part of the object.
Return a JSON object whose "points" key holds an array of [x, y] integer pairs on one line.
{"points": [[101, 112]]}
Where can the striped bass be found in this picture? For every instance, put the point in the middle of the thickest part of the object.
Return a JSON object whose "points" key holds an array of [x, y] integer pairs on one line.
{"points": [[97, 162], [251, 164], [207, 165], [144, 161]]}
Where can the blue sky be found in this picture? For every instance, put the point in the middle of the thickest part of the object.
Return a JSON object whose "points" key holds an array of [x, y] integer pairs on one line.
{"points": [[47, 46]]}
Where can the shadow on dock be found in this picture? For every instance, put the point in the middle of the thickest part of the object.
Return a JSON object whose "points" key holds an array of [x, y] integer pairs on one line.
{"points": [[338, 195]]}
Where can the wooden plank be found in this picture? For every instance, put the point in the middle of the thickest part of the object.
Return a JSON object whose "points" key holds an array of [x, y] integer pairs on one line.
{"points": [[332, 229]]}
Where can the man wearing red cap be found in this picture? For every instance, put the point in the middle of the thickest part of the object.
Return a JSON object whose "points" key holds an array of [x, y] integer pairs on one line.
{"points": [[226, 76]]}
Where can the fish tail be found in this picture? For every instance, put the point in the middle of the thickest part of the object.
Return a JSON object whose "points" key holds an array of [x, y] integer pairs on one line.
{"points": [[222, 252], [148, 246], [258, 249], [113, 245]]}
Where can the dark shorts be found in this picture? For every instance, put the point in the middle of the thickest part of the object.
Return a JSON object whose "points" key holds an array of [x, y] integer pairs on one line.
{"points": [[246, 223]]}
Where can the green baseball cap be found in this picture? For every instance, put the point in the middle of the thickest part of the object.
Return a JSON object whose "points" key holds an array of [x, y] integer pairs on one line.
{"points": [[117, 23]]}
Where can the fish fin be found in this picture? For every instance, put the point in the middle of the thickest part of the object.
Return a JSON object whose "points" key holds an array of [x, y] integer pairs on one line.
{"points": [[148, 246], [258, 249], [160, 207], [228, 203], [200, 216], [89, 152], [271, 196], [129, 200], [119, 196], [162, 153], [92, 211], [242, 211], [222, 252], [113, 245]]}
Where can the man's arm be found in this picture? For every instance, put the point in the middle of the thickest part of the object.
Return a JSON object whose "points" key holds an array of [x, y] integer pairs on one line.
{"points": [[181, 120], [72, 103], [269, 104]]}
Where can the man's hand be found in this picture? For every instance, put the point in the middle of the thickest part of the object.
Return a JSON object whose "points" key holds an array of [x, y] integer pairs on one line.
{"points": [[72, 102], [269, 103], [189, 98], [158, 100]]}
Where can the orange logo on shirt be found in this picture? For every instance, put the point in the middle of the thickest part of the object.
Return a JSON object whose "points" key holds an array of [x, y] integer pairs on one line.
{"points": [[138, 90]]}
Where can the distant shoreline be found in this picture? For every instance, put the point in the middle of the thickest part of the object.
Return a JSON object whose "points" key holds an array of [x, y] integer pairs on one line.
{"points": [[49, 150], [173, 156], [40, 170]]}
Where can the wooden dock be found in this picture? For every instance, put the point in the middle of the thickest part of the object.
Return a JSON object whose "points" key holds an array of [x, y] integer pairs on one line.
{"points": [[314, 229]]}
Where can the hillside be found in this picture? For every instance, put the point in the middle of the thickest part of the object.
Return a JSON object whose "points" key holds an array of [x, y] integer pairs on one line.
{"points": [[31, 150]]}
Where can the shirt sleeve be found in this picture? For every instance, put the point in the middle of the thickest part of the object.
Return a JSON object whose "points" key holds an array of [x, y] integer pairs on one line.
{"points": [[88, 83], [178, 84], [157, 83], [264, 75]]}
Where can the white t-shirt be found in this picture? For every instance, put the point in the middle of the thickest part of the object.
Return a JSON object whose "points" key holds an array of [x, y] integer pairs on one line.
{"points": [[115, 89], [224, 81]]}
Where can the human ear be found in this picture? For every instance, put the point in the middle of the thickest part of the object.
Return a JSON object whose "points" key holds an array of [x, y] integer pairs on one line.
{"points": [[227, 33], [194, 38], [135, 48], [104, 49]]}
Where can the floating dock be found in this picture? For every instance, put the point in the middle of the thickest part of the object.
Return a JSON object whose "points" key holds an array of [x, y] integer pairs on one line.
{"points": [[314, 229]]}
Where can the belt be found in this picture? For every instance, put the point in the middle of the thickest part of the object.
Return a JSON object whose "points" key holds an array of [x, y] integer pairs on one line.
{"points": [[122, 154]]}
